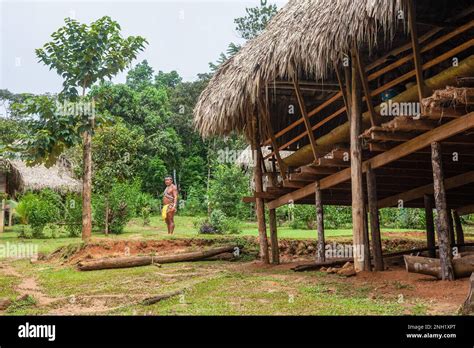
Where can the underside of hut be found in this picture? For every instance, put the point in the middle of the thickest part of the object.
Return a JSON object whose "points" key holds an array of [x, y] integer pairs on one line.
{"points": [[374, 101]]}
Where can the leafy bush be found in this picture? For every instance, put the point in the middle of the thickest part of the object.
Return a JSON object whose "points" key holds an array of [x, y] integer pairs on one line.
{"points": [[219, 223], [402, 218], [146, 205], [122, 205], [196, 202], [39, 209]]}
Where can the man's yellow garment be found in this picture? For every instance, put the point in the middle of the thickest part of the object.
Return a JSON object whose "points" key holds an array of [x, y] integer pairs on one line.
{"points": [[164, 211]]}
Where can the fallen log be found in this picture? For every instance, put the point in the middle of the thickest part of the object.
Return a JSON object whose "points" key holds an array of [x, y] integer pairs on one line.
{"points": [[137, 261], [463, 267], [152, 300], [318, 265]]}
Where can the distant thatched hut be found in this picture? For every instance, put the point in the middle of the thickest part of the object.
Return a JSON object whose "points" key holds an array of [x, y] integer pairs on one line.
{"points": [[16, 177]]}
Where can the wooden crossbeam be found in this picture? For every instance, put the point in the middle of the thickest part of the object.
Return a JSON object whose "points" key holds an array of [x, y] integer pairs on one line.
{"points": [[438, 134], [466, 210], [317, 170], [419, 192], [304, 113]]}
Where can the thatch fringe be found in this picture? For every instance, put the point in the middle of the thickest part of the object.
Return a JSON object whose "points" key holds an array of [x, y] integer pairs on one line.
{"points": [[306, 37]]}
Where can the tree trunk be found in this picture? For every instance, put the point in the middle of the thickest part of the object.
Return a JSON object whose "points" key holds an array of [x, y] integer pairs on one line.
{"points": [[462, 267], [452, 238], [274, 237], [320, 223], [430, 230], [374, 220], [87, 187], [137, 261], [2, 216], [356, 172], [106, 216], [445, 254]]}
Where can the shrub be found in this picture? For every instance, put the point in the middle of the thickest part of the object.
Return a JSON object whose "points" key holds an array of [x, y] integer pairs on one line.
{"points": [[219, 223], [196, 202], [122, 205], [39, 209]]}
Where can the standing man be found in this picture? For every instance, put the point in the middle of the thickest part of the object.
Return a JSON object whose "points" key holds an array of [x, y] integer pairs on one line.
{"points": [[170, 203]]}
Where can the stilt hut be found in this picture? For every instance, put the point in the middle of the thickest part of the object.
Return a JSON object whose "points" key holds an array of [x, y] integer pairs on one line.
{"points": [[374, 98]]}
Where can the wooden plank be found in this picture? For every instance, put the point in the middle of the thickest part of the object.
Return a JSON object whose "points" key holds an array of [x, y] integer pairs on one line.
{"points": [[391, 136], [317, 170], [441, 133], [445, 254], [274, 237], [430, 230], [304, 113], [374, 220], [321, 255], [416, 193]]}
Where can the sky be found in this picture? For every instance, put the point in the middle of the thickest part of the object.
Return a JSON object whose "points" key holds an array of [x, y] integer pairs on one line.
{"points": [[183, 35]]}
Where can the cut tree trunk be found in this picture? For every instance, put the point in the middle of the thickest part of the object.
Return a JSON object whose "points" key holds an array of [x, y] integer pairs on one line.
{"points": [[462, 267], [137, 261], [152, 300]]}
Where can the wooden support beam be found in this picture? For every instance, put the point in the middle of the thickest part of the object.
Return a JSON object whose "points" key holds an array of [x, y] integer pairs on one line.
{"points": [[374, 220], [274, 237], [375, 118], [416, 51], [273, 141], [344, 90], [321, 255], [304, 113], [356, 170], [459, 229], [317, 170], [445, 253], [438, 134], [260, 206], [430, 230], [450, 183]]}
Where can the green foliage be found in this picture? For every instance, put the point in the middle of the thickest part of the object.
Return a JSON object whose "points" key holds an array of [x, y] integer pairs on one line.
{"points": [[219, 223], [73, 214], [402, 218], [255, 21], [39, 209], [140, 76], [122, 203], [226, 190], [337, 217], [196, 201], [168, 80]]}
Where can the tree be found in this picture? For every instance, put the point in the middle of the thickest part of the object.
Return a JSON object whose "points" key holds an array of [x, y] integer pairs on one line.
{"points": [[83, 55], [168, 80], [248, 27], [140, 76]]}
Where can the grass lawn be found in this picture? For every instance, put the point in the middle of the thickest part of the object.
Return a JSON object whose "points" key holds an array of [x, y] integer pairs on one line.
{"points": [[209, 288]]}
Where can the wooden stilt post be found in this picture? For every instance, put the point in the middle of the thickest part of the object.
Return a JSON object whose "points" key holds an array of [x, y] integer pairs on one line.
{"points": [[11, 211], [320, 223], [366, 241], [260, 205], [459, 229], [374, 219], [452, 237], [430, 230], [445, 255], [274, 237], [356, 171]]}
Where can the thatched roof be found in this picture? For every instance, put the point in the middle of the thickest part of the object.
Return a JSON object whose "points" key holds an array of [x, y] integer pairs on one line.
{"points": [[38, 177], [305, 37]]}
